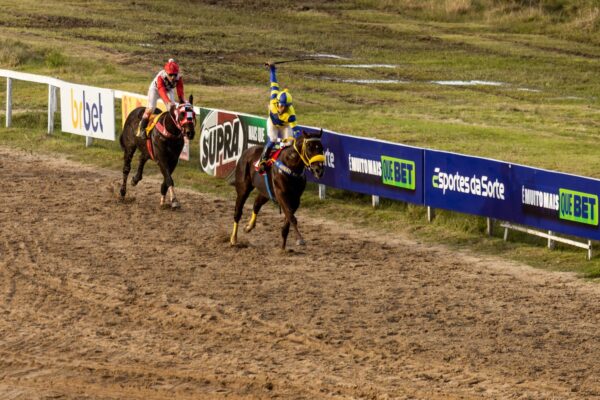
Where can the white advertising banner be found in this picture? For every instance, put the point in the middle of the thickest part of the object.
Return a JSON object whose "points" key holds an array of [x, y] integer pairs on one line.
{"points": [[87, 111]]}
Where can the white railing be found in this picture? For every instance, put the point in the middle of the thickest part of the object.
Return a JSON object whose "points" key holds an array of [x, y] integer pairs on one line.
{"points": [[54, 85]]}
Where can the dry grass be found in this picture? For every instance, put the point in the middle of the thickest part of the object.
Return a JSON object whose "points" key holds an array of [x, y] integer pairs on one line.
{"points": [[587, 19]]}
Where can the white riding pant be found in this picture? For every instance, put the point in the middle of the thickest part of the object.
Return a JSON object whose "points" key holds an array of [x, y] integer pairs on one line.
{"points": [[153, 97], [278, 132]]}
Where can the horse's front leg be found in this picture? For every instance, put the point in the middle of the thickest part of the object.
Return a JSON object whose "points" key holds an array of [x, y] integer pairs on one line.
{"points": [[167, 187]]}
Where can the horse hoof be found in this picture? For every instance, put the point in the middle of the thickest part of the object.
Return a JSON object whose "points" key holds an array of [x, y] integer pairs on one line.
{"points": [[122, 194], [300, 242], [248, 228], [134, 181], [175, 205]]}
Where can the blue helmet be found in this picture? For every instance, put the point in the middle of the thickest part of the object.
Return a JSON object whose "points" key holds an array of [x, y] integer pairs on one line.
{"points": [[284, 98]]}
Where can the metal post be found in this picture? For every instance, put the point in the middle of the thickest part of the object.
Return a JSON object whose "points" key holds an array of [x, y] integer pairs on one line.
{"points": [[551, 242], [8, 102], [430, 214], [322, 191], [589, 255], [51, 108], [505, 234], [375, 201], [89, 141], [490, 226]]}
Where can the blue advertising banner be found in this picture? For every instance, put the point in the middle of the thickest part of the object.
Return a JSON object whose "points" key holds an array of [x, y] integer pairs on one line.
{"points": [[542, 199], [556, 201], [372, 167]]}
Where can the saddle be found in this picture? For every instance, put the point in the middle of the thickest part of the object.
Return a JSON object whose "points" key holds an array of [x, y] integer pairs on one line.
{"points": [[279, 146]]}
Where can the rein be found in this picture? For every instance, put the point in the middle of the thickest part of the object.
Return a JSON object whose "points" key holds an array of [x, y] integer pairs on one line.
{"points": [[165, 132], [302, 153]]}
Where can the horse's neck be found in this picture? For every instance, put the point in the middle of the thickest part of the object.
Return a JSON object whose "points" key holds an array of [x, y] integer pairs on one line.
{"points": [[291, 158], [169, 123]]}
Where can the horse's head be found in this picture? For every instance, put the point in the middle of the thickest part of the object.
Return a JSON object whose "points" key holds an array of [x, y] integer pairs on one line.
{"points": [[312, 152], [186, 118]]}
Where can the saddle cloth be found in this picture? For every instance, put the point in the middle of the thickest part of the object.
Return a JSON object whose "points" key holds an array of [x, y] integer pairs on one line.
{"points": [[153, 121], [274, 156]]}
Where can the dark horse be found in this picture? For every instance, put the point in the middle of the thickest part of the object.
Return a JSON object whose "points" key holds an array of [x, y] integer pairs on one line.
{"points": [[163, 146], [285, 179]]}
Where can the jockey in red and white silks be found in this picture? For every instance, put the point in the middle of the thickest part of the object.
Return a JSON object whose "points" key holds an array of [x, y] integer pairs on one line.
{"points": [[162, 86]]}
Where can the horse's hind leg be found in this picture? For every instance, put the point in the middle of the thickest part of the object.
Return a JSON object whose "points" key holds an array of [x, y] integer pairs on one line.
{"points": [[290, 219], [284, 233], [127, 156], [243, 190], [258, 203], [140, 170]]}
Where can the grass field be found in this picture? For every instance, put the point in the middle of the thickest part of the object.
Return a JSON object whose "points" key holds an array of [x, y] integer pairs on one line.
{"points": [[545, 113]]}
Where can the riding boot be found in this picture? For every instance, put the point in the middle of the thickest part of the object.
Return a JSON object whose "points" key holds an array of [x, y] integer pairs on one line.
{"points": [[264, 157], [142, 128]]}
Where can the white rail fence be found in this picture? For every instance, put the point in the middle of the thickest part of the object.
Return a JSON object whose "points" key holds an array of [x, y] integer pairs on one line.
{"points": [[54, 85]]}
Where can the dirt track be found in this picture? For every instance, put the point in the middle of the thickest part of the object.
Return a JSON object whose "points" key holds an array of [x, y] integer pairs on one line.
{"points": [[88, 313]]}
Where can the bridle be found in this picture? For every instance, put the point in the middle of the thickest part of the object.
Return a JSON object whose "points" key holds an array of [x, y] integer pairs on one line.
{"points": [[190, 118], [302, 152]]}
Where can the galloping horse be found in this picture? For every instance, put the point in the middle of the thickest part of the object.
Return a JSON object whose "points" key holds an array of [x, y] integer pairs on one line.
{"points": [[284, 182], [163, 146]]}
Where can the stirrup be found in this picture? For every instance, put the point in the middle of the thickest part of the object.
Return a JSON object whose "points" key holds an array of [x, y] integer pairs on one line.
{"points": [[261, 167]]}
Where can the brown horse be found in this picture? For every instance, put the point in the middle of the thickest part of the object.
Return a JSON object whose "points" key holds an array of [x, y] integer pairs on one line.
{"points": [[164, 146], [284, 182]]}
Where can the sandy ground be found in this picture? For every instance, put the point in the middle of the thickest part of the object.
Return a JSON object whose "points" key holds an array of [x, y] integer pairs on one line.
{"points": [[90, 311]]}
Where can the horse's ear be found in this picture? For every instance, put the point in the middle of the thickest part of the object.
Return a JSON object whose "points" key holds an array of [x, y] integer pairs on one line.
{"points": [[191, 99], [320, 133], [304, 133]]}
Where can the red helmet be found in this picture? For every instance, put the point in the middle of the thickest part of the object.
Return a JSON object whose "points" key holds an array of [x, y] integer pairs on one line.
{"points": [[171, 67]]}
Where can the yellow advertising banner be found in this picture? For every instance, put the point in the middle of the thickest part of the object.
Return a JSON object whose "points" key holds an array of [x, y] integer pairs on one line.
{"points": [[131, 102]]}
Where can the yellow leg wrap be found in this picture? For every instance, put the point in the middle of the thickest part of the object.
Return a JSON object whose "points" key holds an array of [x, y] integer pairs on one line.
{"points": [[233, 239], [251, 223]]}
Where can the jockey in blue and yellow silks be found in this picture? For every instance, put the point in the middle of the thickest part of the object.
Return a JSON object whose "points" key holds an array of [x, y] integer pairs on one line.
{"points": [[281, 123]]}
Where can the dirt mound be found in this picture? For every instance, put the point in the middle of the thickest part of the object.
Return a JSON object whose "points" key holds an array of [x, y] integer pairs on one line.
{"points": [[107, 300]]}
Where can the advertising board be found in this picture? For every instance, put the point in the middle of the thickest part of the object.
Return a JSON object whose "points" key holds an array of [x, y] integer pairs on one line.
{"points": [[372, 167], [87, 111], [224, 136], [543, 199]]}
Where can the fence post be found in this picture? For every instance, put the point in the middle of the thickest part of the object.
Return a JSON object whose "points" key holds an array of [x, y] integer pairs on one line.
{"points": [[550, 241], [490, 226], [8, 102], [375, 201], [89, 141], [51, 108], [430, 214], [322, 191]]}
